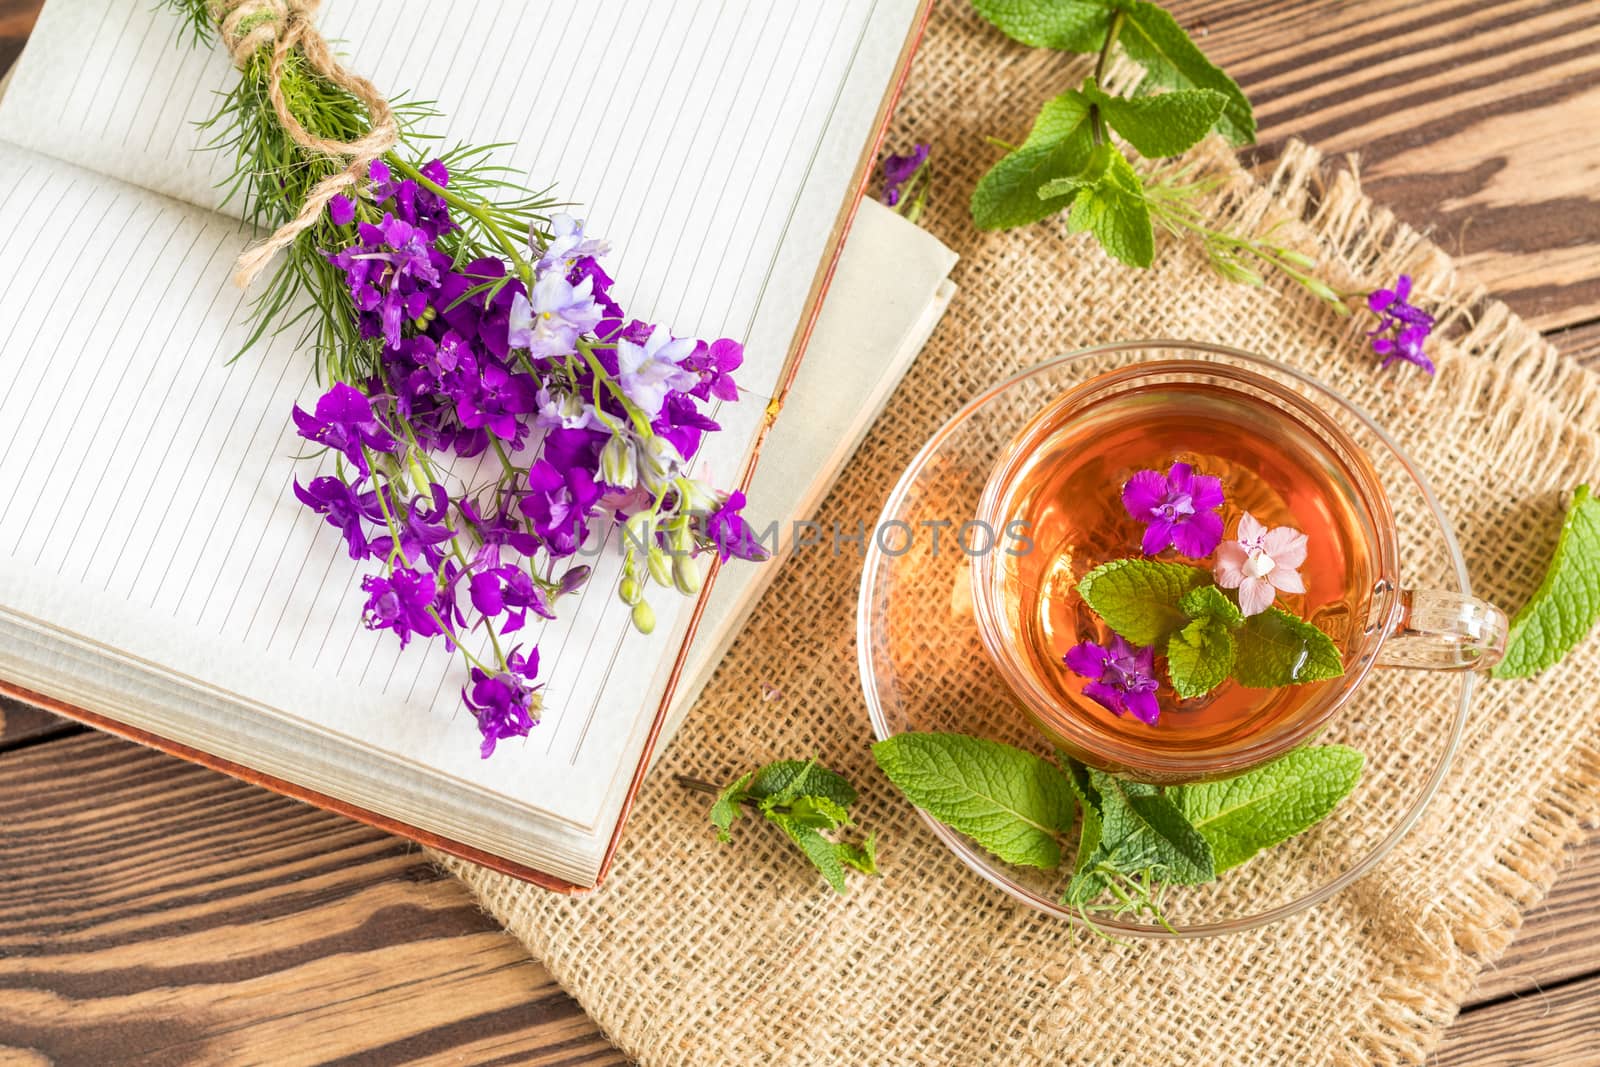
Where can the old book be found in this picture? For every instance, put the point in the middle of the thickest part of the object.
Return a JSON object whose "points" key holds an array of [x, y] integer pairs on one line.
{"points": [[157, 577]]}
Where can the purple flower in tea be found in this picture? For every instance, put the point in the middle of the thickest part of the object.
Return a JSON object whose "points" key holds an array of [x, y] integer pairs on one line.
{"points": [[1402, 327], [1122, 678], [897, 170], [1179, 510], [1260, 563], [344, 422]]}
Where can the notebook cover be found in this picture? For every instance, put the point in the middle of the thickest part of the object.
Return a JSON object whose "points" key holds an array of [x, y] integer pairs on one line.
{"points": [[813, 307]]}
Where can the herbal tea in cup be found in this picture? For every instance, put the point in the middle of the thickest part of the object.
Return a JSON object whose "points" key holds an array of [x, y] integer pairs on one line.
{"points": [[1210, 571]]}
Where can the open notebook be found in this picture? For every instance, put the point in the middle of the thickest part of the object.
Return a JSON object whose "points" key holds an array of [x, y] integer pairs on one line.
{"points": [[156, 574]]}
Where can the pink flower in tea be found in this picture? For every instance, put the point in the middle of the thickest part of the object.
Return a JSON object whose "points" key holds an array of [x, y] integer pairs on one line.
{"points": [[1260, 563], [1122, 678], [1179, 509]]}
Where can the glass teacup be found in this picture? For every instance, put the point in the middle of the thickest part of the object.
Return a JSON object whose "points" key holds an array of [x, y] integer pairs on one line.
{"points": [[1284, 450]]}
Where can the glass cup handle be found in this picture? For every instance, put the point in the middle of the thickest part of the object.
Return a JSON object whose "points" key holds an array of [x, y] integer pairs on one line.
{"points": [[1444, 632]]}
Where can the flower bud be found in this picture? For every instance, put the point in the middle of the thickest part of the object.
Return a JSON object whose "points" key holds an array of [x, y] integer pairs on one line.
{"points": [[1298, 259], [644, 617], [618, 464], [573, 580], [686, 575], [630, 591], [661, 568], [638, 533]]}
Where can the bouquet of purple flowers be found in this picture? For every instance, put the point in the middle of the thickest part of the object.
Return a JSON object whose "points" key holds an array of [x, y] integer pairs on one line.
{"points": [[445, 334]]}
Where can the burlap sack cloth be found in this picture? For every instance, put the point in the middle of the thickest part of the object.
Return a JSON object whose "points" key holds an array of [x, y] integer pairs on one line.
{"points": [[697, 953]]}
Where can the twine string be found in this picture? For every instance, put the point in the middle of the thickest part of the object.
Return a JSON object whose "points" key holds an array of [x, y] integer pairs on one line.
{"points": [[246, 27]]}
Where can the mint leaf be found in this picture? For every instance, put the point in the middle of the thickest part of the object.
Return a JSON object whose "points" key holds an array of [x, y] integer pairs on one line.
{"points": [[1140, 598], [1114, 210], [1010, 802], [1066, 25], [729, 806], [1154, 39], [1163, 125], [1059, 145], [1258, 809], [820, 812], [818, 849], [1564, 609], [784, 780], [1209, 602], [1275, 648], [1142, 830], [1199, 656], [863, 857]]}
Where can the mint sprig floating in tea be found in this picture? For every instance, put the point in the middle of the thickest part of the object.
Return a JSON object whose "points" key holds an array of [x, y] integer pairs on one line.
{"points": [[459, 322], [1134, 840], [1567, 603], [1184, 613], [806, 801], [1070, 163]]}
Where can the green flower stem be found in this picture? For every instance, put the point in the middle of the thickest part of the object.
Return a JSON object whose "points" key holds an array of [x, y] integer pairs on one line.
{"points": [[471, 209], [1117, 18], [640, 423]]}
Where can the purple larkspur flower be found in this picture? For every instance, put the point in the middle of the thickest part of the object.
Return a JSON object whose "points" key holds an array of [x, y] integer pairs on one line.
{"points": [[559, 501], [587, 267], [475, 301], [565, 410], [505, 703], [344, 422], [1402, 327], [392, 271], [648, 372], [341, 210], [714, 364], [509, 590], [496, 401], [567, 244], [1179, 510], [402, 601], [345, 508], [897, 170], [730, 534], [549, 321], [1121, 678], [496, 530], [421, 527], [682, 423]]}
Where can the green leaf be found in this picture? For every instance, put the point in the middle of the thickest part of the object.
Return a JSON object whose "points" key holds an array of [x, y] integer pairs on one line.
{"points": [[1564, 609], [1010, 802], [820, 812], [1059, 145], [1140, 598], [1164, 125], [1199, 656], [729, 806], [1115, 211], [863, 857], [781, 782], [1209, 602], [1154, 39], [1142, 830], [1261, 808], [818, 849], [1066, 25], [1275, 648]]}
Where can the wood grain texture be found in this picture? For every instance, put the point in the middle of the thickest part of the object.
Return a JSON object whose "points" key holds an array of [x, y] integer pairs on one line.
{"points": [[152, 911], [1555, 1028]]}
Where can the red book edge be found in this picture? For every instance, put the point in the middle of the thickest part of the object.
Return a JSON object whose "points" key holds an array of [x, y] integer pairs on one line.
{"points": [[522, 872]]}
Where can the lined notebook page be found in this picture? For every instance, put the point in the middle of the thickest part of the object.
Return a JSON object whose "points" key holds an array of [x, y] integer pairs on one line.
{"points": [[713, 143], [710, 140]]}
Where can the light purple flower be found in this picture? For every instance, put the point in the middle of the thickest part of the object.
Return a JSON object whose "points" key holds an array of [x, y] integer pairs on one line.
{"points": [[648, 372], [549, 321], [567, 245], [1260, 563], [568, 411], [1179, 509], [344, 422], [1122, 678], [897, 170]]}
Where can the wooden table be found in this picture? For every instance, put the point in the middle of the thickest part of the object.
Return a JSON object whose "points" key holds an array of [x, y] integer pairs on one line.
{"points": [[154, 912]]}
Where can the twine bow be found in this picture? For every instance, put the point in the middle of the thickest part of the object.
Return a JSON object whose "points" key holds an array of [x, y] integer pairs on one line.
{"points": [[247, 26]]}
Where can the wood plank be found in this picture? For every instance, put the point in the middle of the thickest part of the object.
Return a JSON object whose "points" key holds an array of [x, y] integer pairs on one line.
{"points": [[1559, 939], [1559, 1028], [24, 724], [1582, 343], [158, 912], [1472, 118], [16, 22]]}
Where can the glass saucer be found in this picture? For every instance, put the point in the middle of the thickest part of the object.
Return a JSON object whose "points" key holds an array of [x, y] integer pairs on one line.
{"points": [[923, 665]]}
